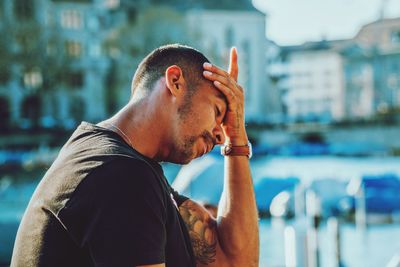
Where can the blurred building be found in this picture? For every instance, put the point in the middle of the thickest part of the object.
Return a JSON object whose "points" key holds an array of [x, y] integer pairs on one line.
{"points": [[381, 41], [233, 23], [58, 66], [315, 84], [330, 81], [82, 27]]}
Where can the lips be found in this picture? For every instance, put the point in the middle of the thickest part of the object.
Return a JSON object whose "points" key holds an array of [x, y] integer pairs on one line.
{"points": [[208, 147], [205, 149]]}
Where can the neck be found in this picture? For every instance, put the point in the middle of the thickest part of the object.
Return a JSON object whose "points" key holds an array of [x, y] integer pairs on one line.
{"points": [[140, 123]]}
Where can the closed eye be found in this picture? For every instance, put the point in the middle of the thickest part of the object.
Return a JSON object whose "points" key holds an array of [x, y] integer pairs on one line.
{"points": [[217, 111]]}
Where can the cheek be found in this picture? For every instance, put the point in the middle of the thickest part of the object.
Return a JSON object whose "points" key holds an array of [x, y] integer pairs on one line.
{"points": [[199, 119]]}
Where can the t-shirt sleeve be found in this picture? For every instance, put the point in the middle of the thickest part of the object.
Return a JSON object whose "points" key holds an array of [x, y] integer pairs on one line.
{"points": [[178, 197], [118, 214]]}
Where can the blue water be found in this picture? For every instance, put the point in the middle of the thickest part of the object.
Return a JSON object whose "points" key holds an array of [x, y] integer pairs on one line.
{"points": [[372, 248]]}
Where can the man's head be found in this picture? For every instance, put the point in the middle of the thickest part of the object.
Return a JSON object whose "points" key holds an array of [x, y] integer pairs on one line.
{"points": [[192, 106], [154, 66]]}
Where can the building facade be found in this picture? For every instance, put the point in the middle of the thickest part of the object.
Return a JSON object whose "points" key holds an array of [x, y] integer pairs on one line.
{"points": [[314, 82], [331, 81], [55, 74], [373, 69]]}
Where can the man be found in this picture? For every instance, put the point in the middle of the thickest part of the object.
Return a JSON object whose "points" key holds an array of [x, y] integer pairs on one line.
{"points": [[105, 200]]}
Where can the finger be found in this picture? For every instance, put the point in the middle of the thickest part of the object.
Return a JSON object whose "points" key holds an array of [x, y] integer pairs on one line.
{"points": [[215, 69], [227, 92], [222, 79], [233, 69]]}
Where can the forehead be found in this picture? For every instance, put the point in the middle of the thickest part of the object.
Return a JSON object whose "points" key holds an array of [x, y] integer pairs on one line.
{"points": [[207, 89]]}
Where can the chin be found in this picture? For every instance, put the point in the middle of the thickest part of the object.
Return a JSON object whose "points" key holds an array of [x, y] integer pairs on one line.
{"points": [[181, 160]]}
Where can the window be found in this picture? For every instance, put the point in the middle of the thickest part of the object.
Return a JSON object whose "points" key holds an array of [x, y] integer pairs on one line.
{"points": [[396, 37], [33, 78], [95, 49], [71, 19], [1, 10], [5, 113], [31, 109], [73, 48], [24, 44], [51, 48], [77, 109], [5, 74], [23, 9], [74, 79]]}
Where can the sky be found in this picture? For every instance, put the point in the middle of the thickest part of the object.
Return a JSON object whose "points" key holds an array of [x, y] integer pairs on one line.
{"points": [[292, 22]]}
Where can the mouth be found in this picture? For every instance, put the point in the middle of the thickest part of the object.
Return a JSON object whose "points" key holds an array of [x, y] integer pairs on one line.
{"points": [[208, 147], [205, 149]]}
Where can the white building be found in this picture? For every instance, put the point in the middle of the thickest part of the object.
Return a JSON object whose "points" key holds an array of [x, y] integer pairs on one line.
{"points": [[217, 30], [315, 82], [330, 81]]}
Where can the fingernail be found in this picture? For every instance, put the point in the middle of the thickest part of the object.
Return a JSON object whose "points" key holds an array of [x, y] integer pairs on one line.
{"points": [[207, 73], [207, 65], [217, 83]]}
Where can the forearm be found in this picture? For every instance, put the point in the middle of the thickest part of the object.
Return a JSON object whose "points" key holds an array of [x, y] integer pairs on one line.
{"points": [[237, 222], [237, 213]]}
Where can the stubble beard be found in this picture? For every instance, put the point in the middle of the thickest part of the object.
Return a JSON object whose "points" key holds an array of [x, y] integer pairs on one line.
{"points": [[185, 149]]}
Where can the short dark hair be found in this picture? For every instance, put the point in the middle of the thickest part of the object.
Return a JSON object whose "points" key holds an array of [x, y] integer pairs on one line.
{"points": [[154, 65]]}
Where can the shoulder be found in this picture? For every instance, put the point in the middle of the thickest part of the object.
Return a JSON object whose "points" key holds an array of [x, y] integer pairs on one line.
{"points": [[125, 167], [122, 179]]}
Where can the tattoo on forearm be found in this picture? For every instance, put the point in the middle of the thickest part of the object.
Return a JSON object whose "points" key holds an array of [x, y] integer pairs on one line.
{"points": [[237, 119], [202, 231]]}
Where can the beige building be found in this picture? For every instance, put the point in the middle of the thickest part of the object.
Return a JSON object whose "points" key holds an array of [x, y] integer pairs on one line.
{"points": [[330, 81]]}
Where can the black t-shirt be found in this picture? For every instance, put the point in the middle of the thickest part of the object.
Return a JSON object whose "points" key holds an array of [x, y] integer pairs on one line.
{"points": [[102, 203]]}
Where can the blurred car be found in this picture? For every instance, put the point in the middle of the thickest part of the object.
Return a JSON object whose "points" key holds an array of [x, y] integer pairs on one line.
{"points": [[381, 193], [267, 188], [333, 197]]}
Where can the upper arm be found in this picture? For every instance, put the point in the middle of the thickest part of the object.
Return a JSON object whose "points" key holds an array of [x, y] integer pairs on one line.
{"points": [[203, 233]]}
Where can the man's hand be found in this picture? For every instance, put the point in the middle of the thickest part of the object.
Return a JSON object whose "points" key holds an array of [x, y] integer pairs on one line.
{"points": [[226, 82]]}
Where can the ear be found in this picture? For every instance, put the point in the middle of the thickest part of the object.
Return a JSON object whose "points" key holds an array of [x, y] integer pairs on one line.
{"points": [[174, 80]]}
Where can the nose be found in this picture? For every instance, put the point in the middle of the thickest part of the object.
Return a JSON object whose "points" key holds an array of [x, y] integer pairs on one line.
{"points": [[219, 135]]}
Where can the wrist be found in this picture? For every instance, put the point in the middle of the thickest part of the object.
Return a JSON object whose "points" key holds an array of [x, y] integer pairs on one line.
{"points": [[237, 141], [237, 150]]}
